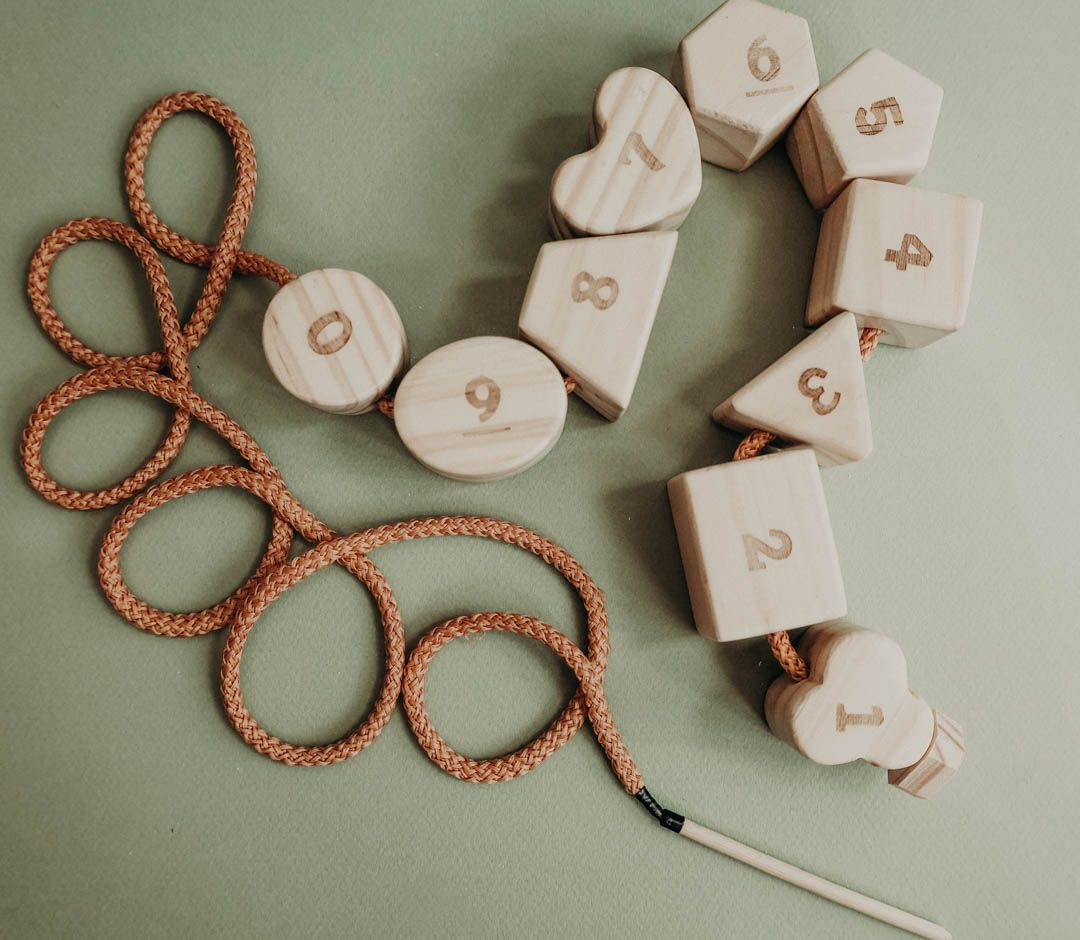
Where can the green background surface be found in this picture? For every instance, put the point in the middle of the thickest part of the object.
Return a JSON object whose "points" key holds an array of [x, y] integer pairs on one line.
{"points": [[414, 142]]}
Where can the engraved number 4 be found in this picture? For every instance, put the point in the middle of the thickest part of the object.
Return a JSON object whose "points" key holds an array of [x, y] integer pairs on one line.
{"points": [[921, 257]]}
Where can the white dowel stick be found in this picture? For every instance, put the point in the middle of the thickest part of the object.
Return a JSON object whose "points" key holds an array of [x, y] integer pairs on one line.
{"points": [[814, 883]]}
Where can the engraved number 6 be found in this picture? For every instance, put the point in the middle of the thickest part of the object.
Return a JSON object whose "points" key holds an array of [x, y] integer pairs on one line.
{"points": [[489, 404], [753, 60]]}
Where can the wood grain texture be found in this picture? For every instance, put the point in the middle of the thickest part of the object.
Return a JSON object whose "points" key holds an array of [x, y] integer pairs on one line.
{"points": [[938, 765], [481, 409], [746, 70], [916, 291], [856, 704], [815, 394], [590, 306], [875, 120], [333, 339], [757, 545], [644, 172]]}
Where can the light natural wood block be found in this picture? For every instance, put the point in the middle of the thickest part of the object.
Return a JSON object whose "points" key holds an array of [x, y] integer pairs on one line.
{"points": [[938, 766], [590, 306], [855, 704], [757, 545], [745, 71], [334, 340], [815, 394], [901, 259], [875, 120], [644, 172], [481, 409]]}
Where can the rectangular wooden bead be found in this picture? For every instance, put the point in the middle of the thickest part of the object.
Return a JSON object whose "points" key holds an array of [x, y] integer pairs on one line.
{"points": [[757, 545]]}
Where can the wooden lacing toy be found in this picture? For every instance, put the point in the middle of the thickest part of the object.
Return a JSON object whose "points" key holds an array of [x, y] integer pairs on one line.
{"points": [[334, 339]]}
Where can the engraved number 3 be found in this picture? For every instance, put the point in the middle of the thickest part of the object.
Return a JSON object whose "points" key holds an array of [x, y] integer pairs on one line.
{"points": [[815, 393], [489, 404], [755, 548]]}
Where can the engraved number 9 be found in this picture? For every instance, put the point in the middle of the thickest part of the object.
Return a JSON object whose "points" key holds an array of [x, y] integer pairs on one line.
{"points": [[489, 403]]}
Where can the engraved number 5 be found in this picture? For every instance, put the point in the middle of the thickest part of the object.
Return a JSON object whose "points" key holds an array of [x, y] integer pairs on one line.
{"points": [[755, 548]]}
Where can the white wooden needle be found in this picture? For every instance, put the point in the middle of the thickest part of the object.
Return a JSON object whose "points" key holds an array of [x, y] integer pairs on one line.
{"points": [[814, 883]]}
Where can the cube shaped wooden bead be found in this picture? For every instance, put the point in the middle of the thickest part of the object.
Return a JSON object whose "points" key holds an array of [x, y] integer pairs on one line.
{"points": [[334, 340], [590, 306], [815, 394], [901, 259], [875, 120], [644, 170], [757, 545], [481, 409], [938, 765], [745, 71]]}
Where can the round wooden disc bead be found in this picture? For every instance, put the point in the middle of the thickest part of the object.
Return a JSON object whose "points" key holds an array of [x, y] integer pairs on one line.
{"points": [[481, 409], [334, 340]]}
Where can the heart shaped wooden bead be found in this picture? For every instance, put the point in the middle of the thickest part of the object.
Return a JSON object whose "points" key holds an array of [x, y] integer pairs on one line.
{"points": [[855, 704], [334, 340], [481, 409], [644, 171]]}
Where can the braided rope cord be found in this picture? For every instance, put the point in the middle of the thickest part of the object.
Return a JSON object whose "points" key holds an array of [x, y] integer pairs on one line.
{"points": [[752, 445], [166, 375]]}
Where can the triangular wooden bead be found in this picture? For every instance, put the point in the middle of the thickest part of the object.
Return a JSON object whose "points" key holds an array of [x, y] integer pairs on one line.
{"points": [[815, 394], [590, 306]]}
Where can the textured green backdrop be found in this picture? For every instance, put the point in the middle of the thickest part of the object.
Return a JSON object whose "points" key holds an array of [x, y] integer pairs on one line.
{"points": [[414, 142]]}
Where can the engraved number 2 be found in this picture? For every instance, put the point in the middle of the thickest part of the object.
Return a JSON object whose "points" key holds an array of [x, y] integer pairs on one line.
{"points": [[815, 393], [635, 143], [489, 404], [921, 257], [753, 59], [755, 548], [881, 111]]}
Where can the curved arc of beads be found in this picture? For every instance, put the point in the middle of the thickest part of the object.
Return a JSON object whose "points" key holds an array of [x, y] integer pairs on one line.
{"points": [[166, 375]]}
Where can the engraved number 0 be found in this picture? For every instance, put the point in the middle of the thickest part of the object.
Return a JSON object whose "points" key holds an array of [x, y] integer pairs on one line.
{"points": [[753, 60], [330, 346], [881, 111], [489, 404], [815, 393], [921, 257], [586, 287], [756, 548]]}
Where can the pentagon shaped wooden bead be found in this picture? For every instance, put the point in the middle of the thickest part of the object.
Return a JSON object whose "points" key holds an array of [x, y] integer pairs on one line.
{"points": [[815, 394], [938, 765], [745, 71], [643, 173], [900, 259], [875, 120], [333, 339], [481, 409], [591, 304], [757, 545]]}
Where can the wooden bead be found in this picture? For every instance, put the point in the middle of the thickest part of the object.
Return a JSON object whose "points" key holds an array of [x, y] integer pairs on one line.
{"points": [[900, 259], [938, 766], [875, 120], [481, 409], [334, 340], [644, 172], [757, 546], [745, 71], [815, 394], [590, 306], [856, 703]]}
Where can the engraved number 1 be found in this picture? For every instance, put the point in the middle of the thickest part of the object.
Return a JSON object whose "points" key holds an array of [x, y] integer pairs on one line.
{"points": [[756, 548], [635, 143]]}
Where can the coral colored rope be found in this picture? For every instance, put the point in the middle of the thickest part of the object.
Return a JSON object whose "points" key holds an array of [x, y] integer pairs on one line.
{"points": [[166, 375], [753, 444]]}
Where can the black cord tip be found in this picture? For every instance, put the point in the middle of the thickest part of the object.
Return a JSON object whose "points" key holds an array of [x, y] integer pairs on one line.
{"points": [[666, 818]]}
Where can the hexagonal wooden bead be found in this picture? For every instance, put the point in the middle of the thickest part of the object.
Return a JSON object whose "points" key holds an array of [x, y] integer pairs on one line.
{"points": [[757, 545], [481, 409], [746, 70], [900, 259], [875, 120], [590, 305], [644, 171], [938, 765], [333, 339], [815, 394]]}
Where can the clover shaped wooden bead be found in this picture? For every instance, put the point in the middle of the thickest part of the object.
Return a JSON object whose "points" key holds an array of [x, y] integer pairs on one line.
{"points": [[644, 170], [333, 339], [745, 71]]}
